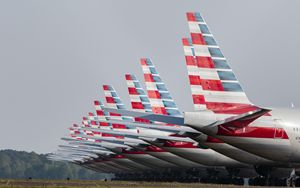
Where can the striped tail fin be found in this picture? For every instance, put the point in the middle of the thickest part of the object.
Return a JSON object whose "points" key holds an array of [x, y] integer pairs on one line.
{"points": [[193, 74], [221, 89], [93, 120], [138, 97], [160, 98], [101, 114], [114, 101]]}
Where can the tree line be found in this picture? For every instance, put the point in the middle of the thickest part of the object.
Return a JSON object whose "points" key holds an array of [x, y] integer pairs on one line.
{"points": [[22, 164]]}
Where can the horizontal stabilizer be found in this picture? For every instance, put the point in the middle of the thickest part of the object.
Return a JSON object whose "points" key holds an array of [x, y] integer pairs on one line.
{"points": [[148, 116], [243, 120]]}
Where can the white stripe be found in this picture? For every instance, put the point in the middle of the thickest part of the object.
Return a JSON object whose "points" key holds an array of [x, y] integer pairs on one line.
{"points": [[202, 51], [135, 98], [188, 51], [229, 81], [146, 69], [226, 98], [156, 102], [111, 105], [130, 83], [194, 28], [151, 86], [196, 89], [208, 74], [219, 58], [107, 93], [198, 107]]}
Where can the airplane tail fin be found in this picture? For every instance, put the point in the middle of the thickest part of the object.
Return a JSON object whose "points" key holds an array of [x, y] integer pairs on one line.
{"points": [[220, 87], [193, 74], [138, 97], [93, 120], [160, 98], [114, 101], [101, 114]]}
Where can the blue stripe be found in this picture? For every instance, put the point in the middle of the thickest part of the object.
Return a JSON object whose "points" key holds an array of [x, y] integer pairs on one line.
{"points": [[113, 94], [232, 87], [140, 91], [215, 52], [161, 87], [132, 77], [169, 104], [156, 78], [136, 84], [148, 61], [120, 106], [147, 106], [144, 99], [210, 40], [117, 100], [153, 70], [204, 29], [173, 112], [221, 64], [198, 17], [165, 95], [226, 75]]}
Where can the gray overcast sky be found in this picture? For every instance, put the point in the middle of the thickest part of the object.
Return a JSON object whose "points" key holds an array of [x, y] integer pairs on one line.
{"points": [[55, 55]]}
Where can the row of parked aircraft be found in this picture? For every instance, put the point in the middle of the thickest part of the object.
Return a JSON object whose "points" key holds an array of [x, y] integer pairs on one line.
{"points": [[225, 138]]}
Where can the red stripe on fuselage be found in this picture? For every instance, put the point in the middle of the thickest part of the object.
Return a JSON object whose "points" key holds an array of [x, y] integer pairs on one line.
{"points": [[179, 144], [253, 132]]}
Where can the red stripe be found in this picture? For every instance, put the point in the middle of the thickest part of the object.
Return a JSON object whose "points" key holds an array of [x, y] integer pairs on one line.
{"points": [[185, 42], [213, 140], [141, 120], [105, 87], [104, 124], [109, 99], [205, 62], [119, 156], [114, 114], [106, 135], [198, 99], [212, 85], [94, 123], [96, 103], [148, 78], [119, 126], [179, 144], [229, 108], [190, 60], [132, 91], [154, 149], [153, 94], [128, 77], [190, 16], [253, 132], [137, 105], [159, 110], [194, 80], [143, 61], [197, 38], [99, 113]]}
